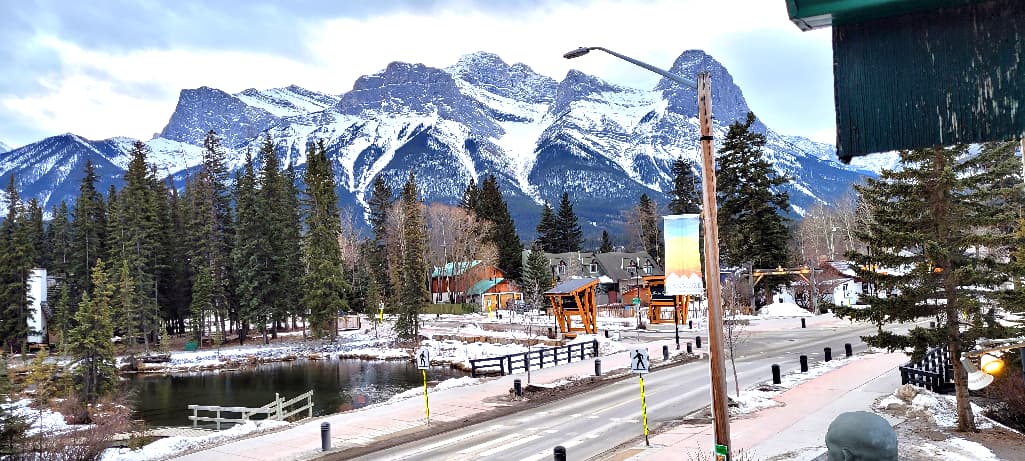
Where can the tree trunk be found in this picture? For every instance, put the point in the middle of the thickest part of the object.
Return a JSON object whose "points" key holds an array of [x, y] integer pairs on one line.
{"points": [[965, 417]]}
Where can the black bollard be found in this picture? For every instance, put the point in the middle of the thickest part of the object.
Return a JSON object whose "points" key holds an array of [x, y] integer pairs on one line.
{"points": [[848, 350], [606, 333], [804, 364], [775, 374], [518, 387], [697, 342], [690, 323], [802, 323], [829, 354], [325, 436], [665, 352], [560, 453], [689, 351], [932, 324], [597, 367]]}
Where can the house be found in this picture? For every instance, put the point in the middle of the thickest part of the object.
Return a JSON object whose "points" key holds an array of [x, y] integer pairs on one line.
{"points": [[839, 282], [618, 273], [470, 282]]}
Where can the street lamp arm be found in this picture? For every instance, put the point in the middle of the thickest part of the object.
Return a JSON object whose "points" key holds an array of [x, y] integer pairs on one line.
{"points": [[676, 78]]}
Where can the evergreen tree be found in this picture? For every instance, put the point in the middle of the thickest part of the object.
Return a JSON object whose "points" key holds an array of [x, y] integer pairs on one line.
{"points": [[491, 206], [210, 225], [537, 277], [324, 284], [548, 229], [379, 204], [290, 240], [15, 265], [411, 292], [89, 235], [932, 219], [752, 228], [12, 426], [36, 234], [58, 238], [606, 244], [685, 197], [569, 235], [471, 197], [273, 207], [651, 233], [252, 255], [175, 283], [90, 339]]}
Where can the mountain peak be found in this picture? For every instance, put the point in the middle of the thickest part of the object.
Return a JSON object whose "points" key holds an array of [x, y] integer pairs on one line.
{"points": [[203, 109], [518, 81], [728, 103], [4, 147]]}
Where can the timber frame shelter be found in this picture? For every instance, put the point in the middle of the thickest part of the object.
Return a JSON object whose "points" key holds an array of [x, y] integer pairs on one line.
{"points": [[575, 298], [656, 285]]}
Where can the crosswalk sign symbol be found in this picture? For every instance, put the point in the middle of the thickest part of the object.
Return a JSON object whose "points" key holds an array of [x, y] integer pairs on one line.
{"points": [[639, 361], [423, 359]]}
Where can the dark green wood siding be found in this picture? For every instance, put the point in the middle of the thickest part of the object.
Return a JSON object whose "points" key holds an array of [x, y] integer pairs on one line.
{"points": [[943, 77]]}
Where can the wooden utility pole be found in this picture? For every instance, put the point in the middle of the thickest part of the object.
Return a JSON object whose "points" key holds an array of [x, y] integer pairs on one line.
{"points": [[720, 412]]}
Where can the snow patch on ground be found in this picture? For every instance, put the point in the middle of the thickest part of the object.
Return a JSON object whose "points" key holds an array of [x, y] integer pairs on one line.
{"points": [[174, 445], [41, 420], [783, 310]]}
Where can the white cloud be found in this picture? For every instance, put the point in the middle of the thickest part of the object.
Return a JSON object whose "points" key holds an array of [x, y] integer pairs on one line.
{"points": [[101, 93]]}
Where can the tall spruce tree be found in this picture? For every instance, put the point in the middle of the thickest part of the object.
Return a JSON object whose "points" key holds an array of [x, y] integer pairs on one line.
{"points": [[606, 243], [176, 284], [273, 206], [752, 228], [537, 277], [568, 233], [547, 229], [379, 205], [685, 197], [90, 339], [938, 235], [252, 255], [15, 264], [492, 207], [325, 286], [89, 235], [290, 240], [411, 295]]}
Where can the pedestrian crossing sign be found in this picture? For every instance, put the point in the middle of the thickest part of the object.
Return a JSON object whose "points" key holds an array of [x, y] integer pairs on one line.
{"points": [[639, 361], [423, 358]]}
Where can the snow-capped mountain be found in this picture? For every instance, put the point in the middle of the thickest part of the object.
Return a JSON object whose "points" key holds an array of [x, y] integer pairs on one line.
{"points": [[604, 144], [4, 147]]}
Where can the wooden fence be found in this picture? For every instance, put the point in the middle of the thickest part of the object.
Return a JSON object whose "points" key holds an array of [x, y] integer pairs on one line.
{"points": [[278, 410], [933, 372], [534, 359]]}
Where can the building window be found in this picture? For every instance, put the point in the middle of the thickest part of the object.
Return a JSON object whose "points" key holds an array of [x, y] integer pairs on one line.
{"points": [[647, 267], [594, 268], [561, 268]]}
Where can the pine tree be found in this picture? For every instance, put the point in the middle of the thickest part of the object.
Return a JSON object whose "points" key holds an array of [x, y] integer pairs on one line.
{"points": [[569, 235], [491, 206], [324, 284], [650, 232], [36, 234], [90, 339], [547, 229], [411, 290], [752, 228], [937, 234], [291, 246], [15, 264], [606, 244], [252, 255], [537, 277], [471, 197], [175, 284], [273, 207], [685, 198], [379, 204], [89, 235]]}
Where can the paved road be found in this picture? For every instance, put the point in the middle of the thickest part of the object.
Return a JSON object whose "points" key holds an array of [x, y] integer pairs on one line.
{"points": [[592, 423]]}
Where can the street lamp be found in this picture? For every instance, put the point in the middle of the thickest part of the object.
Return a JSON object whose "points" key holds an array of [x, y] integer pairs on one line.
{"points": [[715, 341]]}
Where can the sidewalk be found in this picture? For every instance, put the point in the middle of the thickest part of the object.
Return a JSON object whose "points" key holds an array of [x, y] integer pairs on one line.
{"points": [[795, 430], [366, 425]]}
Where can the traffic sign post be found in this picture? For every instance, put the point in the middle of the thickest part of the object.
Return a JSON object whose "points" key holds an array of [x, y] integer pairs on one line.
{"points": [[640, 364], [721, 453], [423, 362]]}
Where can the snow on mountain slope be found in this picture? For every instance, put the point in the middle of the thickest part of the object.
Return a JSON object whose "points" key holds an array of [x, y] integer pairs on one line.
{"points": [[288, 101], [4, 147]]}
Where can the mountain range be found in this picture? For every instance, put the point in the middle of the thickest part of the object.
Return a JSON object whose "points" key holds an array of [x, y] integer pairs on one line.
{"points": [[4, 147], [604, 144]]}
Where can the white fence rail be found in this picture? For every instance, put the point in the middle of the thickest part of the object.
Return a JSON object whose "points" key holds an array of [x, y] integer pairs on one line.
{"points": [[278, 410]]}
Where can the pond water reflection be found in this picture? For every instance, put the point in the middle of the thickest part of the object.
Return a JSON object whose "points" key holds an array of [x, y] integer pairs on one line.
{"points": [[338, 385]]}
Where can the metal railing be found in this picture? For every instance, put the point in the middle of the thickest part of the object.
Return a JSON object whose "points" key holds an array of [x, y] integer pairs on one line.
{"points": [[533, 359], [933, 372], [278, 410]]}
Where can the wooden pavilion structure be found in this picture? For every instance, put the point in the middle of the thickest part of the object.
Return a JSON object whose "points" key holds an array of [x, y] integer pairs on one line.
{"points": [[575, 298], [658, 299]]}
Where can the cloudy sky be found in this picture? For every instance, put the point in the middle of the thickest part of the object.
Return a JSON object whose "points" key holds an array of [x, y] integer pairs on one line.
{"points": [[103, 68]]}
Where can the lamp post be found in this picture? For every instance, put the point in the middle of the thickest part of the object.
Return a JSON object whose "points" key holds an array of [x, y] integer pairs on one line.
{"points": [[715, 341]]}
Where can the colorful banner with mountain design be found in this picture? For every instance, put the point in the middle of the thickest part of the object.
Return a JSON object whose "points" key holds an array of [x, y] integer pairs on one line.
{"points": [[683, 262]]}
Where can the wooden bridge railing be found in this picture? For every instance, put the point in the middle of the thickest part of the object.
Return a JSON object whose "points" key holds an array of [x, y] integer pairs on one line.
{"points": [[534, 359], [278, 410]]}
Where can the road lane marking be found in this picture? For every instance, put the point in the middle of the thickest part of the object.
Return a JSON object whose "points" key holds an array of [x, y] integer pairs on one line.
{"points": [[445, 442], [488, 443], [510, 445]]}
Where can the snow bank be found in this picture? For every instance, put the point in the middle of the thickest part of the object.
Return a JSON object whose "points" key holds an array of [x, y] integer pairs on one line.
{"points": [[41, 420], [174, 445], [783, 310]]}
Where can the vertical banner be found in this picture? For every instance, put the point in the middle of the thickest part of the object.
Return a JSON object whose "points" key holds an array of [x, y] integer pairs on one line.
{"points": [[683, 261]]}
